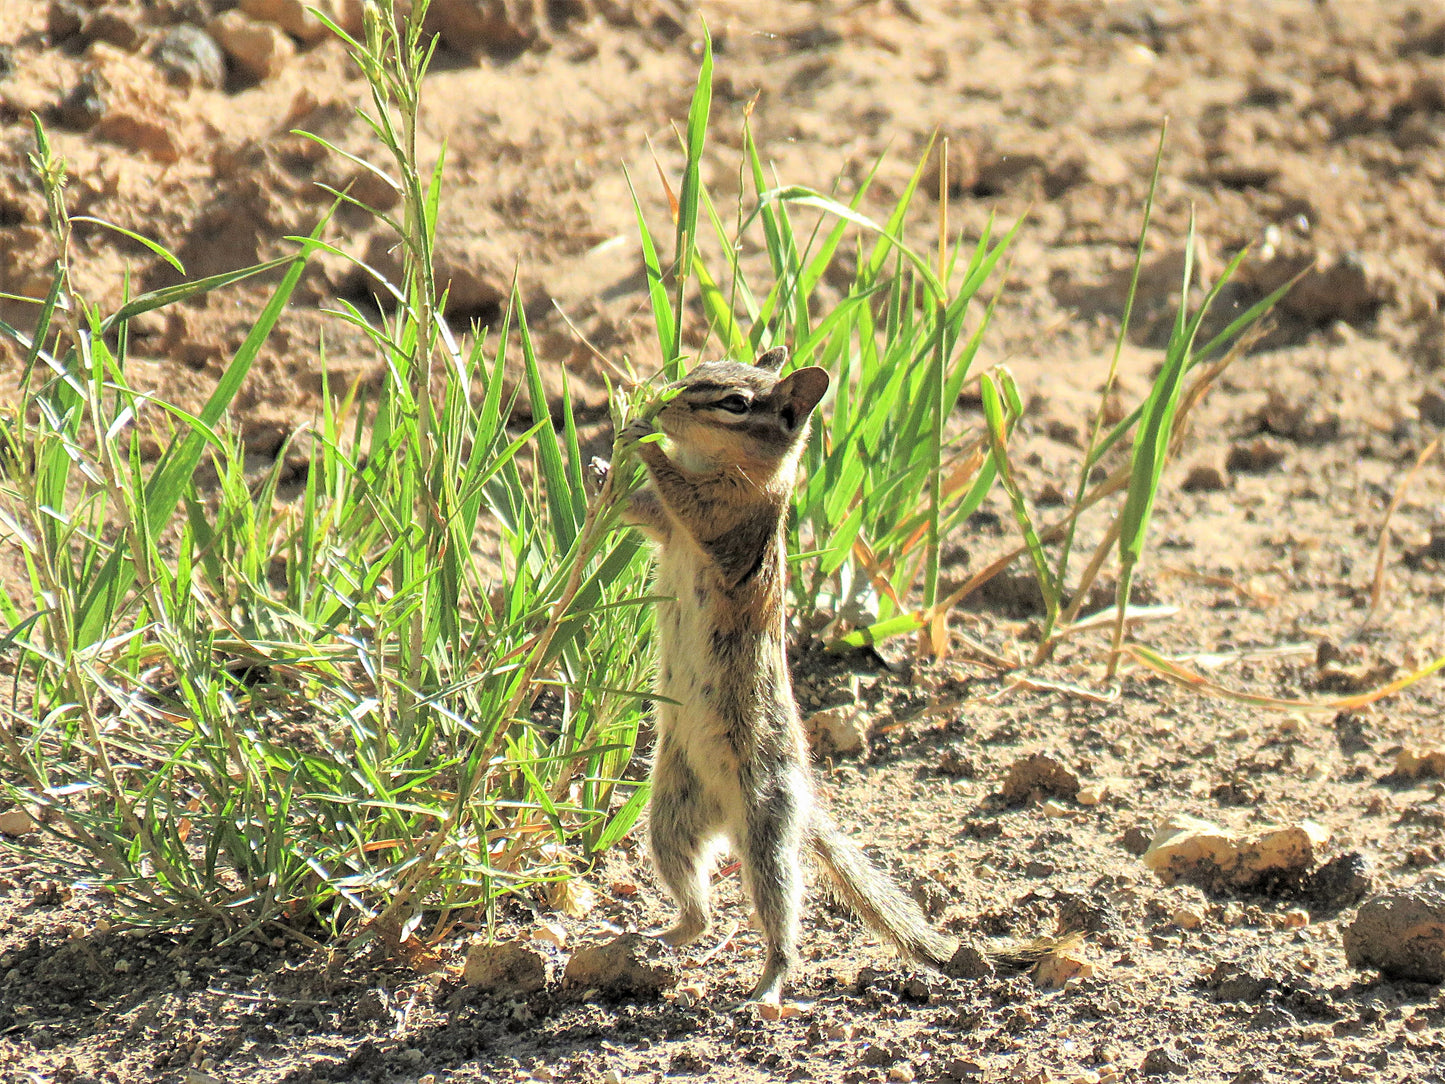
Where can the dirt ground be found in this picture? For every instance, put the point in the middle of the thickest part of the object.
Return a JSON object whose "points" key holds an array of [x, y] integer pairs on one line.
{"points": [[1312, 131]]}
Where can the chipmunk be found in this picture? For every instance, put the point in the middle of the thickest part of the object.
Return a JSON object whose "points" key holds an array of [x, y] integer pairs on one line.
{"points": [[731, 762]]}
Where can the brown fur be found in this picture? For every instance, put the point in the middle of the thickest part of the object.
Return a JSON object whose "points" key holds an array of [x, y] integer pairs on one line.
{"points": [[731, 761]]}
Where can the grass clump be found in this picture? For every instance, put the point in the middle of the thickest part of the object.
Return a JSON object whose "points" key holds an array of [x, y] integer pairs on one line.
{"points": [[328, 714]]}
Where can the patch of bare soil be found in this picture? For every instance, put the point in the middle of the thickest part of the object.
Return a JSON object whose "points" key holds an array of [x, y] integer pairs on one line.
{"points": [[1309, 130]]}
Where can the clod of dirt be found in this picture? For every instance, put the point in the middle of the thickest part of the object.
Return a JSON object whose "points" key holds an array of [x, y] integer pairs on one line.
{"points": [[1058, 969], [508, 969], [83, 105], [1335, 287], [1400, 934], [1190, 849], [190, 57], [1431, 405], [1205, 478], [1161, 1061], [1039, 775], [629, 966], [1254, 456], [1341, 882], [472, 27], [113, 27], [258, 50], [1421, 764], [16, 822], [291, 16], [969, 962], [839, 731], [63, 20]]}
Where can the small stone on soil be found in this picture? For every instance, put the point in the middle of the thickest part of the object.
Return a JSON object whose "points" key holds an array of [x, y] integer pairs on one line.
{"points": [[1038, 775], [1204, 478], [1400, 934], [190, 57], [837, 731], [259, 50], [628, 966], [508, 969], [1255, 456]]}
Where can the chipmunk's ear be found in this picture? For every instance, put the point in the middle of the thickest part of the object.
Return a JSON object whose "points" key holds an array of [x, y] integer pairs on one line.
{"points": [[800, 391], [773, 359]]}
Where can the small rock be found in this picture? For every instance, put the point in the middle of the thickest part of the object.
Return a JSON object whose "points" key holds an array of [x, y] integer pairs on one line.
{"points": [[470, 26], [628, 966], [1341, 882], [291, 16], [837, 731], [1431, 405], [1162, 1062], [1255, 456], [552, 932], [1421, 764], [84, 104], [190, 57], [1058, 969], [506, 969], [16, 822], [1204, 478], [1200, 851], [258, 50], [1038, 775], [114, 28], [1186, 918], [1186, 843], [901, 1074], [969, 962], [1400, 934], [63, 20], [1092, 795]]}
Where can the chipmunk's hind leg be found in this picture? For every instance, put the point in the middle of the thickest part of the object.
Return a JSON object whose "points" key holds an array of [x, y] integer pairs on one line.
{"points": [[776, 811], [686, 822]]}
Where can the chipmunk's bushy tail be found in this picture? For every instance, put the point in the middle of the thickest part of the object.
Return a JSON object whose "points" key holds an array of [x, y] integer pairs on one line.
{"points": [[892, 913]]}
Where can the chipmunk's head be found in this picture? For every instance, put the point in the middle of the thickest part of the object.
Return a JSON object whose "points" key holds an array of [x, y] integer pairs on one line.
{"points": [[726, 414]]}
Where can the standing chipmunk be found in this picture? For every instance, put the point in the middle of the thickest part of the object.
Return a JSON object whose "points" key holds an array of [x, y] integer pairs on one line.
{"points": [[731, 763]]}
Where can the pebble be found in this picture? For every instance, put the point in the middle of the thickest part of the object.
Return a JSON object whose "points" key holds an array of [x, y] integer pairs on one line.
{"points": [[507, 968], [1401, 934], [190, 57], [1204, 478], [837, 731], [627, 966], [291, 16], [16, 822], [1254, 456], [1037, 776], [257, 49], [1431, 405]]}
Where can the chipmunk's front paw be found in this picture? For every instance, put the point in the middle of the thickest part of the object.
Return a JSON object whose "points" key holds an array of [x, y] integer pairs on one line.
{"points": [[636, 429], [599, 469]]}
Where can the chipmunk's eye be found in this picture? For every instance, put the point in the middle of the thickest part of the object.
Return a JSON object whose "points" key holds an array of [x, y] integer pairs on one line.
{"points": [[733, 404]]}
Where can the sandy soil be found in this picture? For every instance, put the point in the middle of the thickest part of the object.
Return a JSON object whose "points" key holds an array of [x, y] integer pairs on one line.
{"points": [[1310, 130]]}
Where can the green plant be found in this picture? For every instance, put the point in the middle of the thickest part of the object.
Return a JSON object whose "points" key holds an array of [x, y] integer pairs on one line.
{"points": [[332, 710]]}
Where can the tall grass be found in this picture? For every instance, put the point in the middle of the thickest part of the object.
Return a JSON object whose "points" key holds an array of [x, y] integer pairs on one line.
{"points": [[328, 713]]}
